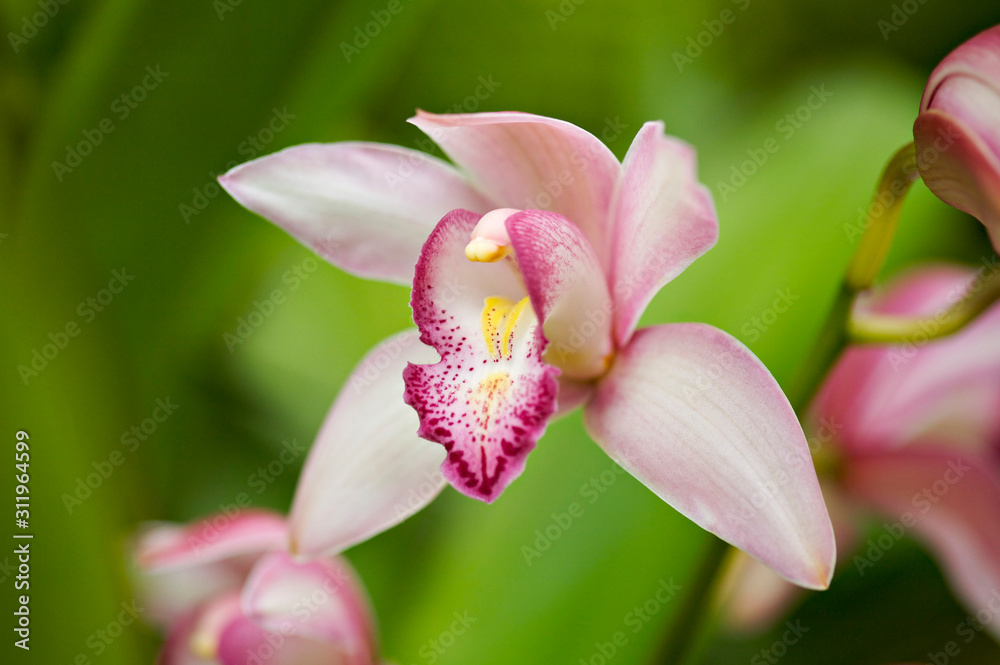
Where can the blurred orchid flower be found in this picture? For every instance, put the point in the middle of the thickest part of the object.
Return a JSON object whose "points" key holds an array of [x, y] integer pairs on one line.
{"points": [[957, 133], [226, 592], [529, 289], [914, 435]]}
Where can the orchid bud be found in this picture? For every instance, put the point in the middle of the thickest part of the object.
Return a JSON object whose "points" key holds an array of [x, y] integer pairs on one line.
{"points": [[957, 133]]}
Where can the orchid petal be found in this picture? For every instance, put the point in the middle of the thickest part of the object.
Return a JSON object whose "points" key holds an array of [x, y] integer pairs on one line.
{"points": [[167, 546], [979, 57], [951, 501], [177, 647], [527, 161], [881, 397], [365, 207], [754, 596], [664, 221], [338, 611], [194, 638], [568, 291], [696, 417], [965, 174], [178, 567], [957, 133], [244, 642], [488, 399], [367, 470]]}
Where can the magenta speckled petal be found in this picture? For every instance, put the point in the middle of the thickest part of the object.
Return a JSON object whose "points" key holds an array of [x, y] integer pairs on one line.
{"points": [[488, 400]]}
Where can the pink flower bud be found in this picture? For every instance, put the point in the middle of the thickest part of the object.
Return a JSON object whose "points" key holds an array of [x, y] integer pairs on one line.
{"points": [[957, 133]]}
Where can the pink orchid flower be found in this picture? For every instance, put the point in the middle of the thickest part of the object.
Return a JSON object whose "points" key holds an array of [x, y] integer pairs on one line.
{"points": [[957, 133], [531, 264], [227, 593], [915, 431]]}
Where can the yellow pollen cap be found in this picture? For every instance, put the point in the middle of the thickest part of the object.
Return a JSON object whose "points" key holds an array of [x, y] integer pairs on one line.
{"points": [[484, 250]]}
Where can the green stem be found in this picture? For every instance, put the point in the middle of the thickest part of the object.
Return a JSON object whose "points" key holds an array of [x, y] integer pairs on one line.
{"points": [[684, 631], [883, 216]]}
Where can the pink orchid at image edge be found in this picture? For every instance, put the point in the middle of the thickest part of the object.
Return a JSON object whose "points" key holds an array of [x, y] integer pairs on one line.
{"points": [[226, 591], [914, 431], [531, 263], [957, 133]]}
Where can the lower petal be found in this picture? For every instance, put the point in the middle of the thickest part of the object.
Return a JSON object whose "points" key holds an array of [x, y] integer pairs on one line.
{"points": [[696, 417], [367, 470]]}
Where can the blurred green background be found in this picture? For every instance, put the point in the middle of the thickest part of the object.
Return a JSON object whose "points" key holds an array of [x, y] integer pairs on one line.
{"points": [[143, 202]]}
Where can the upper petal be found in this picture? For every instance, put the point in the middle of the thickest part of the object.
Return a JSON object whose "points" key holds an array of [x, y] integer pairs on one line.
{"points": [[320, 599], [528, 161], [488, 399], [664, 220], [568, 290], [367, 470], [365, 207], [951, 501], [697, 418]]}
